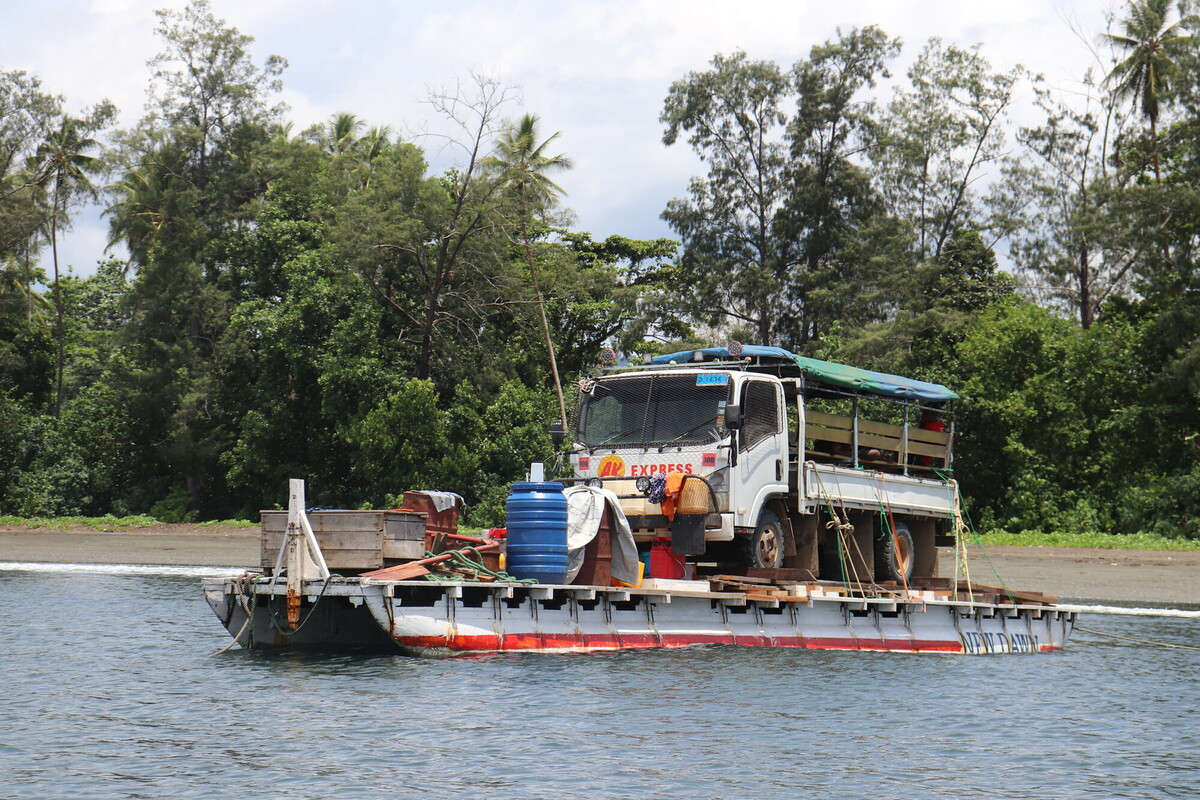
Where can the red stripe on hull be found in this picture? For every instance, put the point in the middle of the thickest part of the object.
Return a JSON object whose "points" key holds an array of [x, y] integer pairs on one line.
{"points": [[566, 643]]}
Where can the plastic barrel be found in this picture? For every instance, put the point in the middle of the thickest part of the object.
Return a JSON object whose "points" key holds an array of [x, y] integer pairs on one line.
{"points": [[537, 532]]}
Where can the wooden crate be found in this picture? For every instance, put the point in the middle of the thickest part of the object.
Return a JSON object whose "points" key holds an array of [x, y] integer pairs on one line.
{"points": [[404, 536], [444, 521], [352, 540]]}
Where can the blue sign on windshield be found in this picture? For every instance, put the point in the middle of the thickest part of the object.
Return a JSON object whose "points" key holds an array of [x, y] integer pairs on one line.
{"points": [[719, 379]]}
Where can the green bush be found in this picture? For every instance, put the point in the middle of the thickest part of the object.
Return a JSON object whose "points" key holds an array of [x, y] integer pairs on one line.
{"points": [[175, 507]]}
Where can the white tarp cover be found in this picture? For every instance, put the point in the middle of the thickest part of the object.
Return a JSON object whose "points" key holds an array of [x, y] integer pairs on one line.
{"points": [[585, 507], [443, 500]]}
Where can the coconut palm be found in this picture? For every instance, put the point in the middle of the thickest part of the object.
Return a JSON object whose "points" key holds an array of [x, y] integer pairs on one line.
{"points": [[341, 133], [62, 162], [1149, 49], [523, 167]]}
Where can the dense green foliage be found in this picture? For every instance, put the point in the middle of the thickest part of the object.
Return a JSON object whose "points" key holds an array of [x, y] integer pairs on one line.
{"points": [[324, 305]]}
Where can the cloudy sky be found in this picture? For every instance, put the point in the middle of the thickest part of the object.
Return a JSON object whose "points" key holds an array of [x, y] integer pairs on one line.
{"points": [[597, 71]]}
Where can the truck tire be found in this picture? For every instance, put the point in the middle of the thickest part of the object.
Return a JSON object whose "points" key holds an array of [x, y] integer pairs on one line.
{"points": [[764, 547], [896, 556]]}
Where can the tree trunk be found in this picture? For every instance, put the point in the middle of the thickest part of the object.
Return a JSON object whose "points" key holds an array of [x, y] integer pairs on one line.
{"points": [[29, 282], [1085, 290], [562, 404], [431, 312], [1154, 151], [58, 311]]}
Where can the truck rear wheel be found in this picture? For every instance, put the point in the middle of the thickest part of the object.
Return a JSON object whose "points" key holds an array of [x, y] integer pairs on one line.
{"points": [[896, 556], [764, 547]]}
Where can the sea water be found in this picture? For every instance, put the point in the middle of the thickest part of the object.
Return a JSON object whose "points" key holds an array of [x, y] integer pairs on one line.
{"points": [[110, 691]]}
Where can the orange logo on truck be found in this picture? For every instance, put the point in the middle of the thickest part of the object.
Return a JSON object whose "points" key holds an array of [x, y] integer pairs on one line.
{"points": [[612, 467]]}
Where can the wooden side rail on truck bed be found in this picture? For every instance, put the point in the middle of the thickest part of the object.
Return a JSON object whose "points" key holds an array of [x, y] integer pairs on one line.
{"points": [[830, 438]]}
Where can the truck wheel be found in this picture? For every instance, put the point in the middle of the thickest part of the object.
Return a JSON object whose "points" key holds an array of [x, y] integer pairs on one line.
{"points": [[896, 555], [764, 547]]}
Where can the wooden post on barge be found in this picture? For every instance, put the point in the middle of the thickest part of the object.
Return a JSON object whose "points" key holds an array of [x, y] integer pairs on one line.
{"points": [[304, 558]]}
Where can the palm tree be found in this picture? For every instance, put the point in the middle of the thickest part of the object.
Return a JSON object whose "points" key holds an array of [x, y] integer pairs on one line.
{"points": [[62, 163], [1150, 48], [522, 166], [340, 133]]}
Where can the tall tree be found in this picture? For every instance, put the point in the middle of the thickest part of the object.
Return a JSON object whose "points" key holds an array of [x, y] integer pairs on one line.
{"points": [[1148, 48], [64, 162], [27, 112], [733, 118], [430, 248], [206, 84], [524, 168], [1072, 243], [834, 226], [938, 138], [191, 171]]}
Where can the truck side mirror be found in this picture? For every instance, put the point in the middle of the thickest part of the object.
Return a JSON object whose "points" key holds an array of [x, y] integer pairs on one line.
{"points": [[733, 417], [557, 434]]}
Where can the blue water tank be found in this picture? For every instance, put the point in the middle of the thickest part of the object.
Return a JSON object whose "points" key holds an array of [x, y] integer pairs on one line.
{"points": [[537, 532]]}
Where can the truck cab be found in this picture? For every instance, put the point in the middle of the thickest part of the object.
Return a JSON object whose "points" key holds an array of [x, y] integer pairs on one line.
{"points": [[750, 446]]}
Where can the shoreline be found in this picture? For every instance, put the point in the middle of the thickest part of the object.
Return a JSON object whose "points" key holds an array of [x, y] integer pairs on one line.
{"points": [[1148, 577]]}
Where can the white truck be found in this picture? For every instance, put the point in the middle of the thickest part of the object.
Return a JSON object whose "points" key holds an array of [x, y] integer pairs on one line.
{"points": [[771, 460]]}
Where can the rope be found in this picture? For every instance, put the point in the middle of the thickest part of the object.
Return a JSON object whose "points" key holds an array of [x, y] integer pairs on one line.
{"points": [[237, 588], [841, 524], [963, 523], [960, 546], [233, 641], [844, 528], [1139, 641], [891, 522], [275, 620], [461, 560]]}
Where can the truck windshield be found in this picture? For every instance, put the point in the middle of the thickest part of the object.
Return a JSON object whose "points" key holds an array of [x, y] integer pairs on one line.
{"points": [[653, 410]]}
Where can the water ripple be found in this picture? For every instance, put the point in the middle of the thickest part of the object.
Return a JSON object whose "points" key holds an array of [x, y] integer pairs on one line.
{"points": [[110, 694]]}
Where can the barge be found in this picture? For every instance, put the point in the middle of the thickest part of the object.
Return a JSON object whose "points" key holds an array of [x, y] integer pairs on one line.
{"points": [[791, 502], [294, 601]]}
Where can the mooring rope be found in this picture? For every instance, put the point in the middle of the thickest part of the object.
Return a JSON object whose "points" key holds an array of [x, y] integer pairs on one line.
{"points": [[275, 619], [1138, 641], [237, 588]]}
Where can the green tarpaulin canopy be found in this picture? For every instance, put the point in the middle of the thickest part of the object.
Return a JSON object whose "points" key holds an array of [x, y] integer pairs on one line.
{"points": [[842, 376]]}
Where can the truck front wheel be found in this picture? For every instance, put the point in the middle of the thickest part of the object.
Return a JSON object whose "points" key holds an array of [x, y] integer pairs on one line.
{"points": [[764, 547]]}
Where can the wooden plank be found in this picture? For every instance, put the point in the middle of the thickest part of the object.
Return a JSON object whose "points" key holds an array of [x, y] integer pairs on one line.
{"points": [[780, 574], [403, 550], [404, 525], [329, 521], [344, 550], [877, 441], [340, 540], [923, 449], [823, 420], [926, 435], [391, 573], [880, 428], [403, 572], [740, 579], [1004, 593], [830, 435]]}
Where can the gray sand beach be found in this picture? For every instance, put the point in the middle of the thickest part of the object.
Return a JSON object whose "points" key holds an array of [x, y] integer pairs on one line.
{"points": [[1074, 574]]}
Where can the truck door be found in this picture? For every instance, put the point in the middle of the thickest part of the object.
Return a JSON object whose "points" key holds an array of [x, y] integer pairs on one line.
{"points": [[762, 460]]}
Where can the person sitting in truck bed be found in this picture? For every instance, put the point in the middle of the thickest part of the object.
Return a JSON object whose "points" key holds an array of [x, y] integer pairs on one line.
{"points": [[930, 422]]}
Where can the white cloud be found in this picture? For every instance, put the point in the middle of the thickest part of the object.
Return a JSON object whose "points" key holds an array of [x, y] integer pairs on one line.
{"points": [[597, 71]]}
